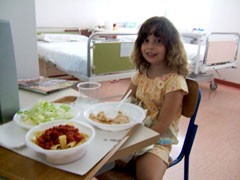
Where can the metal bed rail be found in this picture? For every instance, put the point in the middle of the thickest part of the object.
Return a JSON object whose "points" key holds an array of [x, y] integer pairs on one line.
{"points": [[237, 35]]}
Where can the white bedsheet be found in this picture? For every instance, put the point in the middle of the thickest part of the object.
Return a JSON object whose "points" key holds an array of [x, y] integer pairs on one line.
{"points": [[192, 56], [70, 57]]}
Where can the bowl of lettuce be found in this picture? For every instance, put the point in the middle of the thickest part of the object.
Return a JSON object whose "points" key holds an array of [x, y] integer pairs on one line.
{"points": [[43, 112]]}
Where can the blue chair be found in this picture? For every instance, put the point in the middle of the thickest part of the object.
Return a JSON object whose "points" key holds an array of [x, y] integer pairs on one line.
{"points": [[190, 108]]}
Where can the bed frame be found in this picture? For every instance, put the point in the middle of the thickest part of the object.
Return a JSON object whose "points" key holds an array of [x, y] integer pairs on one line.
{"points": [[221, 52], [107, 58]]}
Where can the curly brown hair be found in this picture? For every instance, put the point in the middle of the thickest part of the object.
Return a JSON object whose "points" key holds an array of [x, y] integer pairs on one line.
{"points": [[162, 28]]}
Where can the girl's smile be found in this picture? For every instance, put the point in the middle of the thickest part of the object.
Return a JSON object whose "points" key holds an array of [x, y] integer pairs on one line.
{"points": [[151, 54]]}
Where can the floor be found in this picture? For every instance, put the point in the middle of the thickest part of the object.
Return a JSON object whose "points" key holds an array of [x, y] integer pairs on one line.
{"points": [[113, 90], [216, 150]]}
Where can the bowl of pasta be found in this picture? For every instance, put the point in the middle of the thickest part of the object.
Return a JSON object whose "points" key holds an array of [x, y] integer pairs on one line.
{"points": [[60, 142], [128, 115]]}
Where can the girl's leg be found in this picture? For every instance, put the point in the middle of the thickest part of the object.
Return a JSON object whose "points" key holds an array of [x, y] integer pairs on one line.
{"points": [[150, 167]]}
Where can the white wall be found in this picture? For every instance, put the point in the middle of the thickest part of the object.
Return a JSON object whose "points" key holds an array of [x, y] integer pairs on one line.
{"points": [[88, 13], [23, 22], [188, 14], [211, 15]]}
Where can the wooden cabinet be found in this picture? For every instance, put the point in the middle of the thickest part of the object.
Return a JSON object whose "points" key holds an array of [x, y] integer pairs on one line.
{"points": [[85, 32], [47, 69]]}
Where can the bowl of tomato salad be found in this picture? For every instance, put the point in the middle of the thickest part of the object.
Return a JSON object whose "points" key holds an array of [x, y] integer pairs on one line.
{"points": [[60, 142]]}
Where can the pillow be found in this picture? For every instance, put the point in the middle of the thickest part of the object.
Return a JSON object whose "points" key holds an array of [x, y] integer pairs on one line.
{"points": [[61, 37]]}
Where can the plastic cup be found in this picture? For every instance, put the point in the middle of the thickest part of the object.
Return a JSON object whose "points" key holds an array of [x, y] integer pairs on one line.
{"points": [[88, 92]]}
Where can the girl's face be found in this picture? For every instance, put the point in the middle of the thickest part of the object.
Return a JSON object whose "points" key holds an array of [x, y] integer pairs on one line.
{"points": [[153, 50]]}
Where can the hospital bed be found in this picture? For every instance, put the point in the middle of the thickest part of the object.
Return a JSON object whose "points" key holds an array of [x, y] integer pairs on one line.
{"points": [[105, 55], [208, 53], [102, 56]]}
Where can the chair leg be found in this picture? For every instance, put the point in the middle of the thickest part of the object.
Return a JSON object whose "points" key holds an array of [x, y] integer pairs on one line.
{"points": [[188, 150], [186, 167]]}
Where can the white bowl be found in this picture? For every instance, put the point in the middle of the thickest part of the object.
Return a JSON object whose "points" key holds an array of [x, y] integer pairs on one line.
{"points": [[135, 114], [61, 156], [17, 117]]}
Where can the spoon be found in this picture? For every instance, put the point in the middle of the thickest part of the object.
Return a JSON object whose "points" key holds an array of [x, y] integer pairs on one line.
{"points": [[114, 112]]}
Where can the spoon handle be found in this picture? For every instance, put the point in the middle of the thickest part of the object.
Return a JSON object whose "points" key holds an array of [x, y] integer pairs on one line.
{"points": [[125, 97]]}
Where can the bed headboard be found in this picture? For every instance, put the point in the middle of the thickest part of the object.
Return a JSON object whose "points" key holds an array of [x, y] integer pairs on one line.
{"points": [[70, 30], [222, 48]]}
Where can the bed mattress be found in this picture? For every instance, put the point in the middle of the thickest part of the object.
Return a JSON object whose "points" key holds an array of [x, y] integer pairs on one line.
{"points": [[70, 57]]}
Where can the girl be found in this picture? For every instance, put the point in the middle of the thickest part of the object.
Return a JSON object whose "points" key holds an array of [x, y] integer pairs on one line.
{"points": [[159, 84]]}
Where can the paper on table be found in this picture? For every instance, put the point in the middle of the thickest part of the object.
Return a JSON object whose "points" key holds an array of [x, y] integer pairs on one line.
{"points": [[12, 136]]}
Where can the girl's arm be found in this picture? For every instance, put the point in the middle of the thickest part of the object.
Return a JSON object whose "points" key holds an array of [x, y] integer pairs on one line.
{"points": [[173, 101], [133, 87]]}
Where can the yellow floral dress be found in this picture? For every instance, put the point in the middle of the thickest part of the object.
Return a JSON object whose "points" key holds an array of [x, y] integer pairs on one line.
{"points": [[151, 93]]}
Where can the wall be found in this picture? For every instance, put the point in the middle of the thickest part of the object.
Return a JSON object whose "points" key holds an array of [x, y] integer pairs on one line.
{"points": [[188, 14], [88, 13], [22, 17], [211, 15]]}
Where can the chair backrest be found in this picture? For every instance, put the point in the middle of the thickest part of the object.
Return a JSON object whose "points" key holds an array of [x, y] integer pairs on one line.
{"points": [[191, 99]]}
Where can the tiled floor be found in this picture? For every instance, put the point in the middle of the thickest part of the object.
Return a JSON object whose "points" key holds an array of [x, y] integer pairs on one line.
{"points": [[216, 151]]}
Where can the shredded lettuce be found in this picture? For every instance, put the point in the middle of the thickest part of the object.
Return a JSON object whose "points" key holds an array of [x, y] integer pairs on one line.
{"points": [[45, 111]]}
